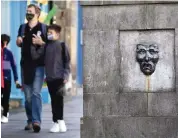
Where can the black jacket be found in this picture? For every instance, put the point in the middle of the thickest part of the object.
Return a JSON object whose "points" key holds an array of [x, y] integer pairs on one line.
{"points": [[57, 61], [29, 64]]}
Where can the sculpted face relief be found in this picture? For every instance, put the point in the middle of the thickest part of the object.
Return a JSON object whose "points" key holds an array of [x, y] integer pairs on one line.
{"points": [[147, 55]]}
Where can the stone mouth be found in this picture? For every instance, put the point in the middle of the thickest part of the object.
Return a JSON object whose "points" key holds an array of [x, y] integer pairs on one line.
{"points": [[147, 66]]}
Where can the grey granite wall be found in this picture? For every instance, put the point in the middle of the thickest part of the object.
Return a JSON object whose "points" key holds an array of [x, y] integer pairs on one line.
{"points": [[119, 100]]}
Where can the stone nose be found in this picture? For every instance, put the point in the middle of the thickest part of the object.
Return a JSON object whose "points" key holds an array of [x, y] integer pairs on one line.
{"points": [[147, 56]]}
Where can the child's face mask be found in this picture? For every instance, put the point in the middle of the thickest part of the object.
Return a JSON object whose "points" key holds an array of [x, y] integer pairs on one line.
{"points": [[50, 37]]}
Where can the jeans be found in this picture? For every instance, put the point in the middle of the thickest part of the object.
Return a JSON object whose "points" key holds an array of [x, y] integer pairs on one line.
{"points": [[33, 99]]}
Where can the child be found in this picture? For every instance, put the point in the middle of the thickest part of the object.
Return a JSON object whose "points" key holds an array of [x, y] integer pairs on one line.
{"points": [[8, 63], [57, 67], [2, 76]]}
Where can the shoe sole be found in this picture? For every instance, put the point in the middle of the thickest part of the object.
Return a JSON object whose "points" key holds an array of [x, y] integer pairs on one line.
{"points": [[36, 128], [54, 132], [4, 122], [63, 131], [26, 129]]}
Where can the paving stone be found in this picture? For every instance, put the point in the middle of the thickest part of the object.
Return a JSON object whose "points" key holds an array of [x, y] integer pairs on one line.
{"points": [[73, 111]]}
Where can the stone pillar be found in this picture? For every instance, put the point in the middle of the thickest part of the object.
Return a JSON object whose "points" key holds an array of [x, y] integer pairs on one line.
{"points": [[59, 17], [71, 32], [120, 101], [69, 28]]}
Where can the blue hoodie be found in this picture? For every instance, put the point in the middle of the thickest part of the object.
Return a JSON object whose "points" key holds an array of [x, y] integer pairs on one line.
{"points": [[8, 64]]}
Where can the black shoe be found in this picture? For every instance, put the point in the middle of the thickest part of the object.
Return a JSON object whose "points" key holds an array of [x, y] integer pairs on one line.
{"points": [[36, 127], [28, 127]]}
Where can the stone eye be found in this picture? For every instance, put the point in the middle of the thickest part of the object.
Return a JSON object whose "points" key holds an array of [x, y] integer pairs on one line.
{"points": [[141, 51], [152, 51]]}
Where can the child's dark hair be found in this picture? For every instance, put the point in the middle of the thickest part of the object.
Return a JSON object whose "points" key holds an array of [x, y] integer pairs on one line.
{"points": [[55, 27], [4, 38]]}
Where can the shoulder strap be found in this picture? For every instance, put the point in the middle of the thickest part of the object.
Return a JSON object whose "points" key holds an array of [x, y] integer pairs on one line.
{"points": [[44, 29], [63, 53], [22, 32]]}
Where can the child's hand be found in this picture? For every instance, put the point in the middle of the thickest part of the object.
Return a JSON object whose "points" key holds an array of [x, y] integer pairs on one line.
{"points": [[18, 86], [65, 81]]}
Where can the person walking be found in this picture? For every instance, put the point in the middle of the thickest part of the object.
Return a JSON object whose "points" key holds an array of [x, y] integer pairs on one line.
{"points": [[30, 34], [57, 69], [8, 63]]}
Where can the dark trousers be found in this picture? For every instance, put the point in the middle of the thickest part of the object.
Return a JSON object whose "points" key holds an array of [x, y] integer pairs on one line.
{"points": [[5, 96], [57, 100]]}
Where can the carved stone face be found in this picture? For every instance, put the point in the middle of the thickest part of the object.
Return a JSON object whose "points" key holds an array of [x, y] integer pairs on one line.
{"points": [[147, 56]]}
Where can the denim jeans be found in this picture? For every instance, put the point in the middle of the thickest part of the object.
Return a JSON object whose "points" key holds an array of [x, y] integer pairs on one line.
{"points": [[33, 100]]}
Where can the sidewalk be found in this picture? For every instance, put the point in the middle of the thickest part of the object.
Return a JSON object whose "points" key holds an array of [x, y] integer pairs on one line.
{"points": [[73, 111]]}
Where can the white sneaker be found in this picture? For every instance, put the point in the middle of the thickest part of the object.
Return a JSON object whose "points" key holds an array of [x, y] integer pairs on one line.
{"points": [[4, 119], [55, 128], [62, 126]]}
